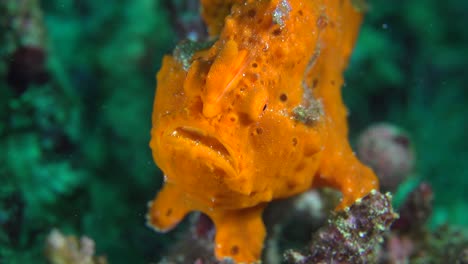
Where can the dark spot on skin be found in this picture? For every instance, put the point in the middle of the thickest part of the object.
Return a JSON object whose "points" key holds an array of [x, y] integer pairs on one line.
{"points": [[254, 65], [251, 13], [314, 83], [234, 250], [291, 185], [264, 107], [277, 32], [279, 53], [300, 12], [233, 119], [259, 130], [253, 77], [300, 167], [283, 97], [169, 212], [332, 82], [294, 141]]}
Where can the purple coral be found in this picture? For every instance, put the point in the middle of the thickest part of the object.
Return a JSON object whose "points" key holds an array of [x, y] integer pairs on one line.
{"points": [[352, 235], [416, 210], [412, 242]]}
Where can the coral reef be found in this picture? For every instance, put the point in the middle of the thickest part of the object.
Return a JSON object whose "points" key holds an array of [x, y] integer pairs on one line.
{"points": [[353, 235], [412, 242], [415, 210]]}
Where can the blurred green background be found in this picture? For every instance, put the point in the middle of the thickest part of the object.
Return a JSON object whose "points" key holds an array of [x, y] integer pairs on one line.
{"points": [[74, 132]]}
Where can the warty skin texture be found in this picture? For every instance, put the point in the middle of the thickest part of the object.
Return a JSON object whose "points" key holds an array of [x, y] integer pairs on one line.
{"points": [[256, 117]]}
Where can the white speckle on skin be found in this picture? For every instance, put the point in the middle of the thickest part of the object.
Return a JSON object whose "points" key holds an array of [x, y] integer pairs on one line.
{"points": [[280, 12]]}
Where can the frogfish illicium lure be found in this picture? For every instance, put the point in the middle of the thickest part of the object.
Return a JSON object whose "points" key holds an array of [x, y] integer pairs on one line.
{"points": [[254, 115]]}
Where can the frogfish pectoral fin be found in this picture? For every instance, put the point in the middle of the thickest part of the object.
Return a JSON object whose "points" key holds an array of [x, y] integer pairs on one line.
{"points": [[167, 209], [347, 174], [361, 182], [239, 234]]}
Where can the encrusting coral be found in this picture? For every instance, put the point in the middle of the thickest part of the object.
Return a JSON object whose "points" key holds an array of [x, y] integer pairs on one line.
{"points": [[412, 241], [256, 116], [352, 235]]}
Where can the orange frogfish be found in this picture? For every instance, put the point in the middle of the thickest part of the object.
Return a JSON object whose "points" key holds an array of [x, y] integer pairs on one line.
{"points": [[255, 114]]}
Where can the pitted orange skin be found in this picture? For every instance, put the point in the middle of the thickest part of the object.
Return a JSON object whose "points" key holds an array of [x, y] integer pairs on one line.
{"points": [[226, 130]]}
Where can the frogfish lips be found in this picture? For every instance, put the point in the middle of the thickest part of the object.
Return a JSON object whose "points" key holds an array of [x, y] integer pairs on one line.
{"points": [[200, 155]]}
